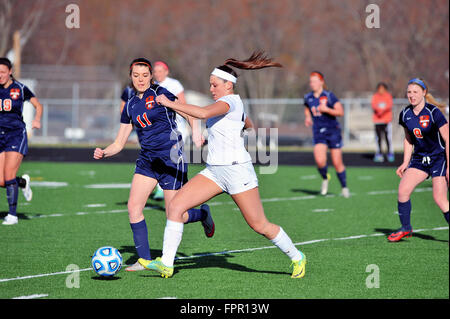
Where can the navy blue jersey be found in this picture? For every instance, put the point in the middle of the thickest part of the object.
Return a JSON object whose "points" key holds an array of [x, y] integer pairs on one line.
{"points": [[11, 105], [155, 124], [127, 94], [321, 120], [424, 129]]}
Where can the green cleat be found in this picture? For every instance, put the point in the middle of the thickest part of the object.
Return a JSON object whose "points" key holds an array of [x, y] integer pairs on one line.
{"points": [[158, 194], [157, 265], [299, 267]]}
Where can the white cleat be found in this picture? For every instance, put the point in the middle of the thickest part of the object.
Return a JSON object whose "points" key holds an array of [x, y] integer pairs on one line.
{"points": [[27, 192], [324, 188], [10, 220], [346, 192], [135, 267]]}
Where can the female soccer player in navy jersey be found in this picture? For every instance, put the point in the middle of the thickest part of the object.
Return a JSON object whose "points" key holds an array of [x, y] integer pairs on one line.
{"points": [[426, 151], [128, 93], [160, 159], [229, 168], [13, 136], [322, 108]]}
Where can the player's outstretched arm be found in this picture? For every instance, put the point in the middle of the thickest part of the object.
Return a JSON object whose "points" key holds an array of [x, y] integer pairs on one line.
{"points": [[194, 122], [215, 109], [443, 130], [407, 153], [308, 118], [117, 145], [39, 108]]}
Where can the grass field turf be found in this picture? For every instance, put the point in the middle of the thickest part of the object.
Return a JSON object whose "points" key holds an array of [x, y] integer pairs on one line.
{"points": [[65, 225]]}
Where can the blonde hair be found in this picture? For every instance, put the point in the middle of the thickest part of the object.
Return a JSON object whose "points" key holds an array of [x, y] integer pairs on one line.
{"points": [[430, 99]]}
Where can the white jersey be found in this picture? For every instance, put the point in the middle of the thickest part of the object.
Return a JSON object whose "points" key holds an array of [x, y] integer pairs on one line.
{"points": [[172, 85], [175, 87], [225, 139]]}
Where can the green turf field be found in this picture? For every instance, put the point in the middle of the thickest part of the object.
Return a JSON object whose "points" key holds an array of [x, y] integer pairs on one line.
{"points": [[67, 221]]}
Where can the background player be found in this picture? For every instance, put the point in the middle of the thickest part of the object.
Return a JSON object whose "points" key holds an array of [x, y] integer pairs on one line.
{"points": [[382, 118], [229, 168], [127, 94], [426, 151], [161, 157], [161, 74], [322, 108], [13, 137]]}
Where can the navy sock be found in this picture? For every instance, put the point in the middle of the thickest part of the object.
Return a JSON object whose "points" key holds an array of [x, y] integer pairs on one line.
{"points": [[323, 171], [140, 236], [446, 216], [404, 213], [342, 176], [12, 191], [195, 215]]}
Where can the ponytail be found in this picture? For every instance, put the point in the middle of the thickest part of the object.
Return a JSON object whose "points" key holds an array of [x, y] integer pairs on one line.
{"points": [[430, 99], [258, 60]]}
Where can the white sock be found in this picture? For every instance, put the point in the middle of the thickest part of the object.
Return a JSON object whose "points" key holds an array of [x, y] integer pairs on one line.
{"points": [[172, 239], [283, 242]]}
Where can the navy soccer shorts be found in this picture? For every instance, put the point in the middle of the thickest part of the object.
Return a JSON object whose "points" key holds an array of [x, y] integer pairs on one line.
{"points": [[14, 140], [170, 175], [330, 136], [433, 165]]}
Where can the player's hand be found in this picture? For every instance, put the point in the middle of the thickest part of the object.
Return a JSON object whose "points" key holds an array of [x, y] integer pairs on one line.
{"points": [[401, 169], [198, 140], [308, 122], [322, 108], [99, 153], [36, 124], [162, 100]]}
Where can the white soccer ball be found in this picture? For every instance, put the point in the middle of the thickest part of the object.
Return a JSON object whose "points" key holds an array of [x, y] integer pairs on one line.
{"points": [[107, 261]]}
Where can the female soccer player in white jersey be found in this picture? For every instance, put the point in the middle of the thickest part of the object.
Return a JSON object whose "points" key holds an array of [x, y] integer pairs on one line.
{"points": [[229, 168]]}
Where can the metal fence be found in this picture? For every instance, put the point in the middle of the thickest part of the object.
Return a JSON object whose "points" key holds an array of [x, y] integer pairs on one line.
{"points": [[288, 116], [96, 121]]}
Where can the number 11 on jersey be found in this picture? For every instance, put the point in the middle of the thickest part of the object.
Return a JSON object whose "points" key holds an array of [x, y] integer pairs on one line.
{"points": [[138, 118]]}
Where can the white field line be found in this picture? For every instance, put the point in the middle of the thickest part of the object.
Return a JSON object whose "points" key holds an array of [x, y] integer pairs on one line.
{"points": [[32, 296], [394, 191], [45, 275], [264, 200], [224, 252]]}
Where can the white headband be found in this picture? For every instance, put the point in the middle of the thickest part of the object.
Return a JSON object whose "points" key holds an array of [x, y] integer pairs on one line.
{"points": [[224, 75]]}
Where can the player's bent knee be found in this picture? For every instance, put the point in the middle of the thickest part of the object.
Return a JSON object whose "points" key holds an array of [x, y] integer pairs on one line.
{"points": [[134, 210], [404, 194], [175, 210], [321, 164], [442, 202]]}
